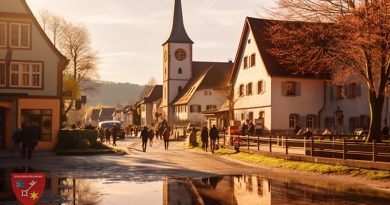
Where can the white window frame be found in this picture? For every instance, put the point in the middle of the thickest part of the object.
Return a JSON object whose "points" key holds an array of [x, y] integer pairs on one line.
{"points": [[293, 120], [5, 75], [30, 74], [20, 35], [5, 34]]}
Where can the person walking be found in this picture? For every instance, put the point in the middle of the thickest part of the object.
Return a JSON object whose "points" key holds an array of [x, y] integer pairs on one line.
{"points": [[114, 132], [213, 137], [17, 139], [166, 135], [107, 134], [151, 136], [144, 136], [205, 138], [101, 134]]}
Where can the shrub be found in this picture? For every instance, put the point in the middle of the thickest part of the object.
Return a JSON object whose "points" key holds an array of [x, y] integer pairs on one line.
{"points": [[77, 139]]}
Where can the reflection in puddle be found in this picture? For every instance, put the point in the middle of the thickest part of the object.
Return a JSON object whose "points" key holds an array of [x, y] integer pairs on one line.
{"points": [[224, 190]]}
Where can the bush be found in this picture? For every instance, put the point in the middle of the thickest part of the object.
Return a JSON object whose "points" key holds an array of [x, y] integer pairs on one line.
{"points": [[77, 139]]}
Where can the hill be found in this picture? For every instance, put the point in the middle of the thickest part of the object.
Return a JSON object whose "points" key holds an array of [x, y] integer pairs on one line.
{"points": [[112, 93]]}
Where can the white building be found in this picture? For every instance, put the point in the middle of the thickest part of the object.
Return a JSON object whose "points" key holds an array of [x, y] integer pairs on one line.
{"points": [[147, 115], [268, 90]]}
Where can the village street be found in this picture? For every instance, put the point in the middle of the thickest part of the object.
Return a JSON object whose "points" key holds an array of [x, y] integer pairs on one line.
{"points": [[178, 162]]}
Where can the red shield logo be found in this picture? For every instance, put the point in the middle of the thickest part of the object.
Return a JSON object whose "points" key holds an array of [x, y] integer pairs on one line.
{"points": [[28, 187]]}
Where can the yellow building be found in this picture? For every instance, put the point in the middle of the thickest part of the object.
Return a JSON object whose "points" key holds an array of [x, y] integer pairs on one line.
{"points": [[30, 76]]}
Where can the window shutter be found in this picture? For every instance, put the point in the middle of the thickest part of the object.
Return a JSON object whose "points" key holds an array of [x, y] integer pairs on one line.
{"points": [[284, 88], [297, 88], [264, 86], [358, 89], [346, 91]]}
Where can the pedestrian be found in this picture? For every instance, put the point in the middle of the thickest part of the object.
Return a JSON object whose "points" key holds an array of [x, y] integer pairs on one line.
{"points": [[17, 139], [166, 136], [244, 129], [107, 134], [213, 137], [30, 134], [101, 134], [151, 136], [251, 129], [205, 138], [308, 133], [144, 136], [114, 132]]}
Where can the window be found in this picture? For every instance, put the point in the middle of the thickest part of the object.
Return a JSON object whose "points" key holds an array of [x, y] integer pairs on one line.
{"points": [[311, 121], [42, 119], [261, 114], [293, 120], [354, 90], [249, 89], [211, 107], [179, 90], [290, 88], [20, 35], [26, 75], [241, 90], [329, 123], [206, 92], [242, 116], [245, 62], [195, 108], [180, 71], [2, 74], [260, 87], [340, 92], [3, 36], [253, 60], [249, 41]]}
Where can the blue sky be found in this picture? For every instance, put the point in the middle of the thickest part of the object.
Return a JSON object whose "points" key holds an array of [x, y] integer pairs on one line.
{"points": [[127, 34]]}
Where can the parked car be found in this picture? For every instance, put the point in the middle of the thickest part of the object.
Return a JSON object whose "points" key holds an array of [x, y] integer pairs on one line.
{"points": [[111, 124]]}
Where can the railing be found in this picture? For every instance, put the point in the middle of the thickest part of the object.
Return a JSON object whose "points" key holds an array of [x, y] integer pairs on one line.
{"points": [[342, 147]]}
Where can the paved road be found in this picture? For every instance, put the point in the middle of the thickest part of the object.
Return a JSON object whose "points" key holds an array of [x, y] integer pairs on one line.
{"points": [[158, 163]]}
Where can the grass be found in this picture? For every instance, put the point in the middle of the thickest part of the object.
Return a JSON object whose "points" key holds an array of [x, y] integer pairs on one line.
{"points": [[303, 166], [98, 149]]}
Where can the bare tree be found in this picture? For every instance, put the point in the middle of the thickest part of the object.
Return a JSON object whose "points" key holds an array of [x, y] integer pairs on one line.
{"points": [[338, 37], [148, 87], [73, 41]]}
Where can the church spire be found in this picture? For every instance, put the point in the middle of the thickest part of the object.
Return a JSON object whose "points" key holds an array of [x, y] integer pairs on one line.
{"points": [[178, 32]]}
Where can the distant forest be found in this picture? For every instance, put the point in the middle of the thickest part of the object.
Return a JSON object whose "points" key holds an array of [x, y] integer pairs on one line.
{"points": [[112, 93]]}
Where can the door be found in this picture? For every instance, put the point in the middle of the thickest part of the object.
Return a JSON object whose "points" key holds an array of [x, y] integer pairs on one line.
{"points": [[2, 128]]}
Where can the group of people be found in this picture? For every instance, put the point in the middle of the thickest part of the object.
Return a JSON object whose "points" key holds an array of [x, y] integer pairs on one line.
{"points": [[105, 134], [248, 128], [147, 134], [213, 134], [26, 139]]}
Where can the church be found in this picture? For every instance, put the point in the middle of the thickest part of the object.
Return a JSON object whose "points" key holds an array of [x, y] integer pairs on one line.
{"points": [[189, 87]]}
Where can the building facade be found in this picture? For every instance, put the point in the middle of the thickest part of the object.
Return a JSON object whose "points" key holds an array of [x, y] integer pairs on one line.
{"points": [[30, 76]]}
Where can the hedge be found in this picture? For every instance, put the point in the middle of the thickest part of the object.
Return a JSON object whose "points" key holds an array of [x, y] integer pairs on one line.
{"points": [[77, 139]]}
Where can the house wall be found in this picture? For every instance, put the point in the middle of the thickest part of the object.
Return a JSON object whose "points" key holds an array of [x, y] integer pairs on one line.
{"points": [[53, 105], [256, 102], [217, 98], [309, 101], [40, 52]]}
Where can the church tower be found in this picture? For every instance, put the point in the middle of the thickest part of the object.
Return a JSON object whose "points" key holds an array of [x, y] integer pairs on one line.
{"points": [[177, 62]]}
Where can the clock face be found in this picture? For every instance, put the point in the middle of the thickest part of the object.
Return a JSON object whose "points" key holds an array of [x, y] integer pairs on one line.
{"points": [[180, 54]]}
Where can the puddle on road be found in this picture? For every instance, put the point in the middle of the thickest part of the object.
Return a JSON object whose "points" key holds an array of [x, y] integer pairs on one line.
{"points": [[220, 190]]}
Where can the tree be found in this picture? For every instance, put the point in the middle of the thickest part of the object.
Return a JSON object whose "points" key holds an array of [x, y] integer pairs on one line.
{"points": [[341, 38], [148, 87], [73, 41]]}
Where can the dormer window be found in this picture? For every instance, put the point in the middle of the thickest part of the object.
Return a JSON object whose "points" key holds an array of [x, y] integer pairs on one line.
{"points": [[180, 71]]}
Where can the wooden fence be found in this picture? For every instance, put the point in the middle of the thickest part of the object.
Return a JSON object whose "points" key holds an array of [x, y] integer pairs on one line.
{"points": [[341, 147]]}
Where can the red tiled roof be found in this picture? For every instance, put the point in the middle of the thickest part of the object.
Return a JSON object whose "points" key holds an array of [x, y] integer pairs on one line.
{"points": [[273, 65]]}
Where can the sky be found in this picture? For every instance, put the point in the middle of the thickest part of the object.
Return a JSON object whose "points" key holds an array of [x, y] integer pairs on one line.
{"points": [[127, 34]]}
